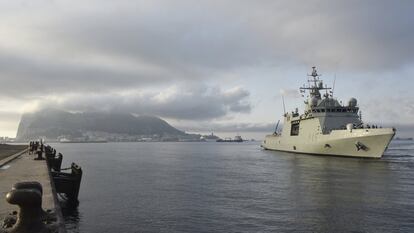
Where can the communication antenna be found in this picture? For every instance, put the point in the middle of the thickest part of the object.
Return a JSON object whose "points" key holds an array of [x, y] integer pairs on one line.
{"points": [[284, 107], [333, 86]]}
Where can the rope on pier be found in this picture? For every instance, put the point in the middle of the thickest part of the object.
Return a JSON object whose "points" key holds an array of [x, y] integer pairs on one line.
{"points": [[66, 168]]}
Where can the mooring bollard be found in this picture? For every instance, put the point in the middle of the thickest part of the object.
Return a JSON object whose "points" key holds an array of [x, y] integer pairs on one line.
{"points": [[31, 185], [69, 183], [54, 162], [31, 216], [39, 155], [57, 162], [28, 185]]}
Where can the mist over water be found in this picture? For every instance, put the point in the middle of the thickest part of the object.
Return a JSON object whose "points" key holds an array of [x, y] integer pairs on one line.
{"points": [[220, 187]]}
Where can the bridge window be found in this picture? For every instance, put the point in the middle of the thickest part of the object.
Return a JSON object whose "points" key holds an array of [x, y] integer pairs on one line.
{"points": [[294, 130]]}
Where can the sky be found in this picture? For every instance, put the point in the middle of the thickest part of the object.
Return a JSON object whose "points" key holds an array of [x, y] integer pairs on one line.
{"points": [[204, 66]]}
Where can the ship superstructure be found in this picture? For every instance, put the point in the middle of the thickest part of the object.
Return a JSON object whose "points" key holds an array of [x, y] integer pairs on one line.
{"points": [[328, 127], [209, 138]]}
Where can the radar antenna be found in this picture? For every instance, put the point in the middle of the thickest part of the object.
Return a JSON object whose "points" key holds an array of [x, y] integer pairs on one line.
{"points": [[315, 84]]}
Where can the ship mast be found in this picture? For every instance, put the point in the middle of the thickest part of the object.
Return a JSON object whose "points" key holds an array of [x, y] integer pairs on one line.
{"points": [[315, 84]]}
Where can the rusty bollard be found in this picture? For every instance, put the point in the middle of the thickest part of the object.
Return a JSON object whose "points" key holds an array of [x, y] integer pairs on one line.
{"points": [[28, 196], [29, 185], [39, 155], [32, 185], [57, 162]]}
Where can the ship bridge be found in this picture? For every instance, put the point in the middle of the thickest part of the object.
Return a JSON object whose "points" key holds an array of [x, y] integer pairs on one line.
{"points": [[330, 113]]}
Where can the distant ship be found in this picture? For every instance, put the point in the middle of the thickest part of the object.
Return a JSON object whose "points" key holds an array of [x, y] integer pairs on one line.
{"points": [[65, 140], [328, 128], [209, 138], [403, 139], [236, 139]]}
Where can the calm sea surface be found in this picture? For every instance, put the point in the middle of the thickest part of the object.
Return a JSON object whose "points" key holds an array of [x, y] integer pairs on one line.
{"points": [[231, 187]]}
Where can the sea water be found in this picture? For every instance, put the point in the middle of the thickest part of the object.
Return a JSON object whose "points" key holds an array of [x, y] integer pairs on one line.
{"points": [[238, 187]]}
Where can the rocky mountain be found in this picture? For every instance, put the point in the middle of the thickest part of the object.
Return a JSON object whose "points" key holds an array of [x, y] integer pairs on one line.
{"points": [[52, 123]]}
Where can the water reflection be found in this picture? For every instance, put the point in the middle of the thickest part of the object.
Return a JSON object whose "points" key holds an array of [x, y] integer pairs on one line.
{"points": [[72, 217]]}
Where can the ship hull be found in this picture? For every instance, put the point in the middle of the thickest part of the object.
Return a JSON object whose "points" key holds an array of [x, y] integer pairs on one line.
{"points": [[367, 143]]}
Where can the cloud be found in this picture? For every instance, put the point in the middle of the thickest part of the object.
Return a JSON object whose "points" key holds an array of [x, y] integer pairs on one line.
{"points": [[8, 116], [126, 55], [213, 35], [63, 46], [195, 103], [363, 36], [225, 127], [290, 93], [391, 110], [23, 76]]}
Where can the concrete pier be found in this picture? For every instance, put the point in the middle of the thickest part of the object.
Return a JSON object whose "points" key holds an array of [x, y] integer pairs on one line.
{"points": [[22, 167]]}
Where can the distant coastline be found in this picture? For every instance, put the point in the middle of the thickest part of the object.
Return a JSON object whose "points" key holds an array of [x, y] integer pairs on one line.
{"points": [[403, 139]]}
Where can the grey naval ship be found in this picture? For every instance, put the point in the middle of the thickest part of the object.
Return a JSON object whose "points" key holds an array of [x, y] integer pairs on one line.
{"points": [[328, 127]]}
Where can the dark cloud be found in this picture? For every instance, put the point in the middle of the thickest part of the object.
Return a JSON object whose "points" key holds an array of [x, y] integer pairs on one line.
{"points": [[360, 35], [22, 76], [196, 103], [109, 45], [227, 127], [109, 55], [210, 35]]}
